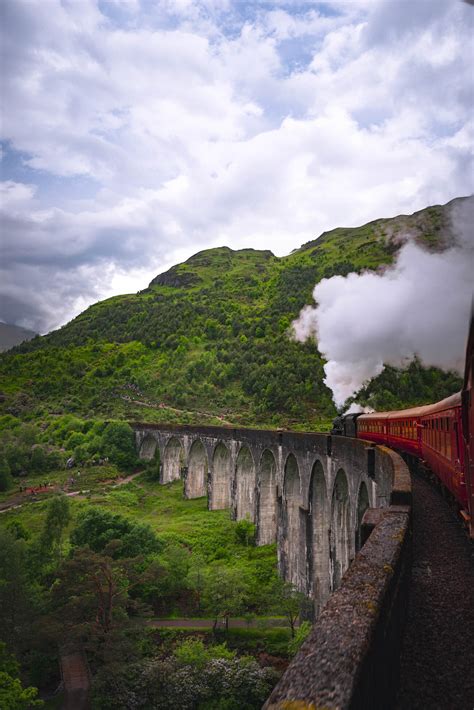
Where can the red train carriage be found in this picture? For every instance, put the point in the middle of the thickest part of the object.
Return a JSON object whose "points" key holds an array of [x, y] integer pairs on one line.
{"points": [[441, 435], [398, 429], [432, 433], [468, 426], [442, 446]]}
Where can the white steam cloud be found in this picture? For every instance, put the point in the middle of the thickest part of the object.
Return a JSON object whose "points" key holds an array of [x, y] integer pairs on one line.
{"points": [[420, 306]]}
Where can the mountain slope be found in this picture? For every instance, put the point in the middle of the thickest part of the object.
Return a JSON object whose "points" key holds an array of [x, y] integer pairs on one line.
{"points": [[207, 340]]}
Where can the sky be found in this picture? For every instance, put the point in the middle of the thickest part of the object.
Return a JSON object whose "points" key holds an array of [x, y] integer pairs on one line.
{"points": [[135, 133]]}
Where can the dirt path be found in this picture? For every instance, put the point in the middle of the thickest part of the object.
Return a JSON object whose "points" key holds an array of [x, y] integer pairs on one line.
{"points": [[161, 405], [127, 479]]}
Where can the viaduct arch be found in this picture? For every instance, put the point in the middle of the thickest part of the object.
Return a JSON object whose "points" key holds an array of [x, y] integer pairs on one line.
{"points": [[306, 492]]}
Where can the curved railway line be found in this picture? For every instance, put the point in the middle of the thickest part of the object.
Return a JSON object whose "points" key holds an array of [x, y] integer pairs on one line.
{"points": [[437, 661]]}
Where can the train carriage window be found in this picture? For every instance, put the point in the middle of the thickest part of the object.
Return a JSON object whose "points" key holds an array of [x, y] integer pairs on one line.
{"points": [[456, 439]]}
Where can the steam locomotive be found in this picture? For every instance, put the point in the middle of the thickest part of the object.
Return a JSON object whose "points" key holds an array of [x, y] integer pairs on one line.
{"points": [[439, 436]]}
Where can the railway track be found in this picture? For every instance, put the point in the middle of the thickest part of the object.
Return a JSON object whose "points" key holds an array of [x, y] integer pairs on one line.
{"points": [[437, 660]]}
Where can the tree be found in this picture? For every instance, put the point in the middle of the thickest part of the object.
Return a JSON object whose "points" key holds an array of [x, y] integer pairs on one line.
{"points": [[97, 528], [153, 468], [17, 595], [90, 594], [6, 480], [225, 593], [18, 530], [290, 601], [196, 579], [14, 696], [38, 462], [57, 520], [118, 444]]}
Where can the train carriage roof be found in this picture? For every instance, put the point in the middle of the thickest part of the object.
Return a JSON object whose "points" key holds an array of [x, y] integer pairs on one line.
{"points": [[453, 401]]}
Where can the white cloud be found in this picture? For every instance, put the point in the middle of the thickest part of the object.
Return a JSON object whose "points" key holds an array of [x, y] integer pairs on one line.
{"points": [[195, 134], [420, 306]]}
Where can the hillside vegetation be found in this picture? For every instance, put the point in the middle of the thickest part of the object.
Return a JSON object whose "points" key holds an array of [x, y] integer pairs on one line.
{"points": [[209, 340]]}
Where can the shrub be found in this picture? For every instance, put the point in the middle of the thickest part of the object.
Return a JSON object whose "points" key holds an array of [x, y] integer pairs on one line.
{"points": [[245, 532], [38, 462], [118, 444], [301, 635], [193, 652], [97, 528]]}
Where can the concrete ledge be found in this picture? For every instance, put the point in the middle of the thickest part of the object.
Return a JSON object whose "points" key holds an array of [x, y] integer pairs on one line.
{"points": [[351, 658], [401, 487]]}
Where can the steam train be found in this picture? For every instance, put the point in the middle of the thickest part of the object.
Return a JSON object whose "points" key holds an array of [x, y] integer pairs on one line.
{"points": [[439, 436]]}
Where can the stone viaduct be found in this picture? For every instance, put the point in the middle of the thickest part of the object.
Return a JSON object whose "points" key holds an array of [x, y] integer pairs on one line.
{"points": [[307, 492]]}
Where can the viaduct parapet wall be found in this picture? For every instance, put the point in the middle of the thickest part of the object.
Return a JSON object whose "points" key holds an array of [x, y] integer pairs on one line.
{"points": [[307, 492]]}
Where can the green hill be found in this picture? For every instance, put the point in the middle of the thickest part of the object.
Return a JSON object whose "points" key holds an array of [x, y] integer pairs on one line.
{"points": [[209, 339]]}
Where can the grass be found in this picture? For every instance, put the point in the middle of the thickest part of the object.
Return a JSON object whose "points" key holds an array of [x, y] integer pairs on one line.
{"points": [[173, 518], [92, 478]]}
